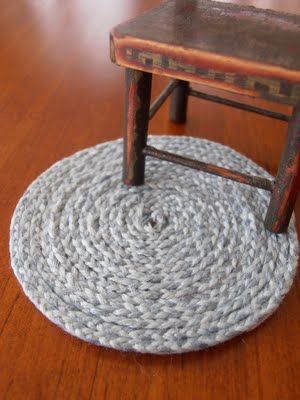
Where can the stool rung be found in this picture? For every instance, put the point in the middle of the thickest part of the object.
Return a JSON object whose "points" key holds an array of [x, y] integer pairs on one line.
{"points": [[236, 104], [246, 179], [155, 106]]}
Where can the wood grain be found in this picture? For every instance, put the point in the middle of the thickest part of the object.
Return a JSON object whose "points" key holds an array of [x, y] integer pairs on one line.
{"points": [[235, 31], [138, 96], [59, 94], [246, 179], [287, 182]]}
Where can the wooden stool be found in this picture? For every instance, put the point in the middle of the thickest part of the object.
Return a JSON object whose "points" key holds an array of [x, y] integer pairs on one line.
{"points": [[240, 49]]}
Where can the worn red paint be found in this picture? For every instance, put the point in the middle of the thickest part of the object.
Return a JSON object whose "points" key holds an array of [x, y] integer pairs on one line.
{"points": [[131, 110], [138, 91], [237, 69], [256, 181], [288, 180]]}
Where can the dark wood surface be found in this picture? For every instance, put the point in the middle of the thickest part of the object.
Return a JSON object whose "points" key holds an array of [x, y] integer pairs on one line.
{"points": [[138, 97], [59, 94], [242, 32], [287, 181], [226, 45], [246, 179]]}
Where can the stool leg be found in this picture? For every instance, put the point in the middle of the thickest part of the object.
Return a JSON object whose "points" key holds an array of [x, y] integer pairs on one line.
{"points": [[137, 102], [179, 102], [287, 181]]}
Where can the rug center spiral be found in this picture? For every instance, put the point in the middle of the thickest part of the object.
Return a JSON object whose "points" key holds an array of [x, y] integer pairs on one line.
{"points": [[154, 220], [178, 264]]}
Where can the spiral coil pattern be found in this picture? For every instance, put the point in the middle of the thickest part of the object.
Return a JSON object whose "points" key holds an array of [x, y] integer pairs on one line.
{"points": [[181, 263]]}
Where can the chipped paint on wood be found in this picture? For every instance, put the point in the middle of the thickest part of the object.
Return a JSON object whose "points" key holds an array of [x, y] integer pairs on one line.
{"points": [[246, 179], [287, 181], [236, 48], [254, 85], [138, 91]]}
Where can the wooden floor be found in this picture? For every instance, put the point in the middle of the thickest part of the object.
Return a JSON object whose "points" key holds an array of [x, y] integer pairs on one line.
{"points": [[59, 93]]}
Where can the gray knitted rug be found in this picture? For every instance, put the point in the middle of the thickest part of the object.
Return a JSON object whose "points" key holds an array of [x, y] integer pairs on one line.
{"points": [[181, 263]]}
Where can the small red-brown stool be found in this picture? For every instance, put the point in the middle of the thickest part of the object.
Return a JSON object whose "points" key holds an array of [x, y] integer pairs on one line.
{"points": [[240, 49]]}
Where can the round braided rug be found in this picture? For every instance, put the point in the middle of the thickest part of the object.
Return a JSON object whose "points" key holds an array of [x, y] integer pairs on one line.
{"points": [[181, 263]]}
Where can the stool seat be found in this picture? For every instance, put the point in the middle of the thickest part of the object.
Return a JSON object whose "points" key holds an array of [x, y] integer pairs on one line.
{"points": [[237, 48]]}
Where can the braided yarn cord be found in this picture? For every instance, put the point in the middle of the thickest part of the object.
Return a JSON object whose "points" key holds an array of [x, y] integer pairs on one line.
{"points": [[179, 264]]}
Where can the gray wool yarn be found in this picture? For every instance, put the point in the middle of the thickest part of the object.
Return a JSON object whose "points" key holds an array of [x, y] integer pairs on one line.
{"points": [[179, 264]]}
